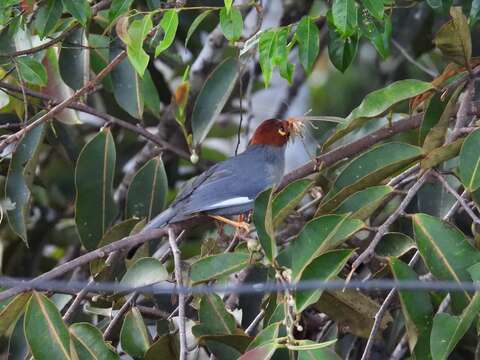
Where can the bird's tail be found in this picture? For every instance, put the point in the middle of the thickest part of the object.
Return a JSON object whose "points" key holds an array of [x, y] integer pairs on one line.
{"points": [[160, 220]]}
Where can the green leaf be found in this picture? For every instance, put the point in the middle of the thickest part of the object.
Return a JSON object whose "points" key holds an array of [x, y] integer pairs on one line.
{"points": [[74, 59], [144, 272], [89, 344], [417, 310], [169, 25], [137, 32], [195, 24], [150, 94], [264, 352], [266, 49], [46, 334], [318, 236], [369, 169], [394, 244], [231, 23], [32, 71], [435, 109], [308, 37], [448, 330], [469, 165], [446, 252], [11, 312], [99, 57], [323, 268], [215, 266], [267, 335], [362, 204], [454, 40], [228, 4], [442, 154], [165, 348], [48, 16], [436, 135], [378, 102], [147, 193], [212, 98], [20, 178], [286, 200], [79, 9], [94, 206], [379, 37], [344, 13], [214, 319], [134, 336], [127, 85], [441, 6], [374, 7], [314, 354], [310, 345], [118, 8], [341, 51], [474, 12], [263, 220]]}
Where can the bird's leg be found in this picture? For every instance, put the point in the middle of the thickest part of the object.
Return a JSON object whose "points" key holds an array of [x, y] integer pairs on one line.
{"points": [[236, 224]]}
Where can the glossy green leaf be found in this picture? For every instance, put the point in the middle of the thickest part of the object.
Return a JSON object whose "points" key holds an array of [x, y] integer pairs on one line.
{"points": [[263, 220], [195, 24], [150, 94], [318, 236], [118, 8], [94, 206], [20, 178], [438, 132], [454, 39], [374, 7], [345, 16], [469, 165], [228, 4], [11, 312], [286, 200], [212, 98], [379, 35], [266, 50], [378, 102], [448, 330], [417, 310], [215, 266], [431, 116], [79, 9], [31, 71], [362, 204], [394, 244], [446, 252], [145, 271], [137, 32], [267, 335], [264, 352], [169, 25], [74, 59], [369, 169], [231, 23], [127, 85], [48, 16], [214, 318], [323, 268], [314, 354], [341, 51], [89, 343], [309, 345], [308, 37], [147, 193], [134, 336], [46, 334]]}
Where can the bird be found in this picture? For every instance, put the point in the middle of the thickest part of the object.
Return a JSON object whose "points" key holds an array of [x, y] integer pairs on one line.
{"points": [[230, 187]]}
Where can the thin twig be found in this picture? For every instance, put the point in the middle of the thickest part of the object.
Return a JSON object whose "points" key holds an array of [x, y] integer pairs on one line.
{"points": [[407, 56], [459, 198], [251, 328], [382, 229], [181, 297]]}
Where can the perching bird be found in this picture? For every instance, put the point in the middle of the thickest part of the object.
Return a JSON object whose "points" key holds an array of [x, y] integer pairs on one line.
{"points": [[230, 187]]}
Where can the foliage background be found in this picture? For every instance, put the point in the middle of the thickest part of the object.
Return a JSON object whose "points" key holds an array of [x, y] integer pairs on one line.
{"points": [[108, 107]]}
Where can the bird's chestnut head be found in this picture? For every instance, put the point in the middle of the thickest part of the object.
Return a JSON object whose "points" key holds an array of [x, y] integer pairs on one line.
{"points": [[272, 132]]}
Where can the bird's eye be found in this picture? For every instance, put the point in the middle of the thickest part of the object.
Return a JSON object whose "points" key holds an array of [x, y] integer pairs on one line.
{"points": [[282, 132]]}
